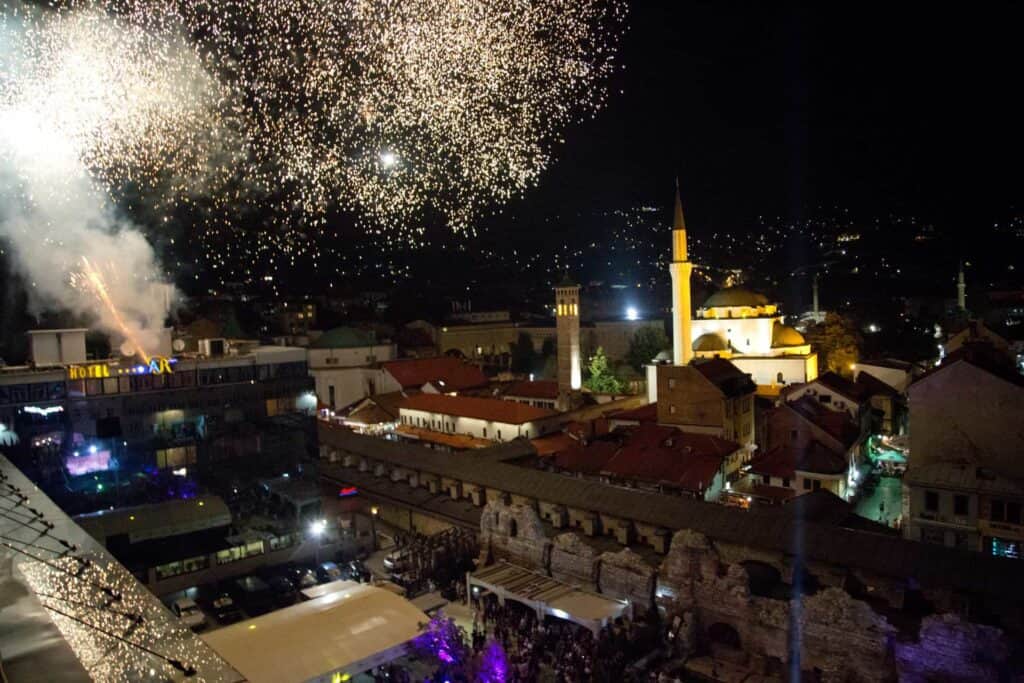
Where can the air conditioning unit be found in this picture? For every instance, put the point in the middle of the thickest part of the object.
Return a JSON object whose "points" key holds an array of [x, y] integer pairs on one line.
{"points": [[213, 347]]}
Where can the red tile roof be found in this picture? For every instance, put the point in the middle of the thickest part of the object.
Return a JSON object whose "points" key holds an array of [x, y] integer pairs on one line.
{"points": [[587, 459], [652, 453], [490, 409], [841, 385], [544, 389], [553, 444], [785, 461], [445, 372], [647, 413], [834, 423], [729, 379]]}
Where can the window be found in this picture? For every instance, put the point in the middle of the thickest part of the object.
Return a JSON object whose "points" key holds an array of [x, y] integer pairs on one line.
{"points": [[778, 378], [766, 480], [825, 398], [933, 535], [931, 501], [1005, 511], [815, 484], [330, 394], [671, 383], [960, 505], [499, 435], [807, 484], [785, 482], [792, 435], [485, 432]]}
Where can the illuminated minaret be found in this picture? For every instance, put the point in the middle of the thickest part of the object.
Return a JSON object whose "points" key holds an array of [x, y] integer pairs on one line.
{"points": [[680, 268], [961, 290], [567, 326]]}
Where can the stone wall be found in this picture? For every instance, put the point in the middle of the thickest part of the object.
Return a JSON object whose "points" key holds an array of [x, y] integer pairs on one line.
{"points": [[828, 631]]}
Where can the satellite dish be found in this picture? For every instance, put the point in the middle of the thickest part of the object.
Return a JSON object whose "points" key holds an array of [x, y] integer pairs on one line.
{"points": [[127, 349], [178, 345]]}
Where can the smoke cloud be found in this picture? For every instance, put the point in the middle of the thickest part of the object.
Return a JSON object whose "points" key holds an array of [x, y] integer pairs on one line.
{"points": [[87, 100]]}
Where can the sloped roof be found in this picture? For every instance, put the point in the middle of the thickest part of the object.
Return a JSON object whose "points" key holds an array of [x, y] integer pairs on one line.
{"points": [[647, 413], [841, 385], [785, 461], [834, 423], [982, 356], [553, 443], [667, 455], [729, 379], [874, 386], [587, 459], [490, 409], [736, 296], [543, 389], [445, 372], [344, 338]]}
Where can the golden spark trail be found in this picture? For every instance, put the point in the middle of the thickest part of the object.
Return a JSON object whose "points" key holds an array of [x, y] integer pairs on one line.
{"points": [[100, 289]]}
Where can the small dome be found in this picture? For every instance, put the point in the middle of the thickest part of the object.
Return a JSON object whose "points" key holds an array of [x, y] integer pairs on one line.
{"points": [[784, 335], [663, 357], [709, 341], [735, 296]]}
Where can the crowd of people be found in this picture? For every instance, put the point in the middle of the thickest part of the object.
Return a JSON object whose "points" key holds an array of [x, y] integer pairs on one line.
{"points": [[423, 564], [567, 652]]}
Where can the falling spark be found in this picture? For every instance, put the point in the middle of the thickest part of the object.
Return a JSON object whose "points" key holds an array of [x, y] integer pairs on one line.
{"points": [[99, 287]]}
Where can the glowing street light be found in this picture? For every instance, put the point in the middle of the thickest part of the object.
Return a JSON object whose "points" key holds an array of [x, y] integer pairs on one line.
{"points": [[318, 528], [632, 313]]}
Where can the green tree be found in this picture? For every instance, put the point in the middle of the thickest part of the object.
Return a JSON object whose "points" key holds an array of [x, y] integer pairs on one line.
{"points": [[837, 342], [600, 378], [646, 343], [524, 358]]}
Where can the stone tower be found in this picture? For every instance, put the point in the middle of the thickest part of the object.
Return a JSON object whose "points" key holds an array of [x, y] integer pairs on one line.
{"points": [[680, 269], [567, 325], [961, 290]]}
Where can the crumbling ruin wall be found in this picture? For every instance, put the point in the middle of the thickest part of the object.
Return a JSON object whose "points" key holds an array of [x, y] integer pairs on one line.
{"points": [[705, 586], [626, 576], [573, 561], [513, 533], [948, 648]]}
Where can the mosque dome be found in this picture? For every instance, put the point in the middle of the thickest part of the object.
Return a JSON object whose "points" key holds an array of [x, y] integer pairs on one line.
{"points": [[663, 357], [735, 296], [709, 341], [784, 335]]}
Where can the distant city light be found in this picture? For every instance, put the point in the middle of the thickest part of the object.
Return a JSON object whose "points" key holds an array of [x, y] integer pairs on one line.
{"points": [[632, 313]]}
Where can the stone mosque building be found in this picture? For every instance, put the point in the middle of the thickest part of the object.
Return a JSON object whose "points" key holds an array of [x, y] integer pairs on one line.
{"points": [[736, 324]]}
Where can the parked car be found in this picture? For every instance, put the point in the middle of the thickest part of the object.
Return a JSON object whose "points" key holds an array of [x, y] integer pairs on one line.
{"points": [[357, 571], [253, 594], [225, 609], [188, 611], [328, 571], [283, 590], [300, 576]]}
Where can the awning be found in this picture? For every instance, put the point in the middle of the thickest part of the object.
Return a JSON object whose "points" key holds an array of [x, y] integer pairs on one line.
{"points": [[547, 595]]}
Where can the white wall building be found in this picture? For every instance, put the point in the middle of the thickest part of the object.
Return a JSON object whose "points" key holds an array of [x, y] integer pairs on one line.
{"points": [[344, 364], [482, 418]]}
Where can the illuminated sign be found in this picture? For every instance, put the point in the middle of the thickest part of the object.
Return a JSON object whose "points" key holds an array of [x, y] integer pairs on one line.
{"points": [[158, 365], [348, 491], [94, 371], [36, 410]]}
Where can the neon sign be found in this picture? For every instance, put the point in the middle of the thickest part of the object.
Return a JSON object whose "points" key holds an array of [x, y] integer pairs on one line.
{"points": [[94, 371], [158, 365], [348, 491]]}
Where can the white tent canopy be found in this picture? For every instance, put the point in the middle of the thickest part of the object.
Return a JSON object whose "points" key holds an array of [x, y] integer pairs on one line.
{"points": [[547, 595], [346, 631]]}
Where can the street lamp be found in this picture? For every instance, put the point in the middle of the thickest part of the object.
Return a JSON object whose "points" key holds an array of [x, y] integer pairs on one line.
{"points": [[316, 530], [373, 525]]}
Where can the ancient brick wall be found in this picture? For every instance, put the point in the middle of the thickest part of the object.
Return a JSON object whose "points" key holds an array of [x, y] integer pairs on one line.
{"points": [[708, 587]]}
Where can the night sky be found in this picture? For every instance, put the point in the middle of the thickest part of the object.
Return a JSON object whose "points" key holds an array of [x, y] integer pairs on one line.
{"points": [[763, 108]]}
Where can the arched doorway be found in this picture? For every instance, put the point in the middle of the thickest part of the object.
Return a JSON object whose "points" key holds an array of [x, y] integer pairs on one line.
{"points": [[723, 635]]}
